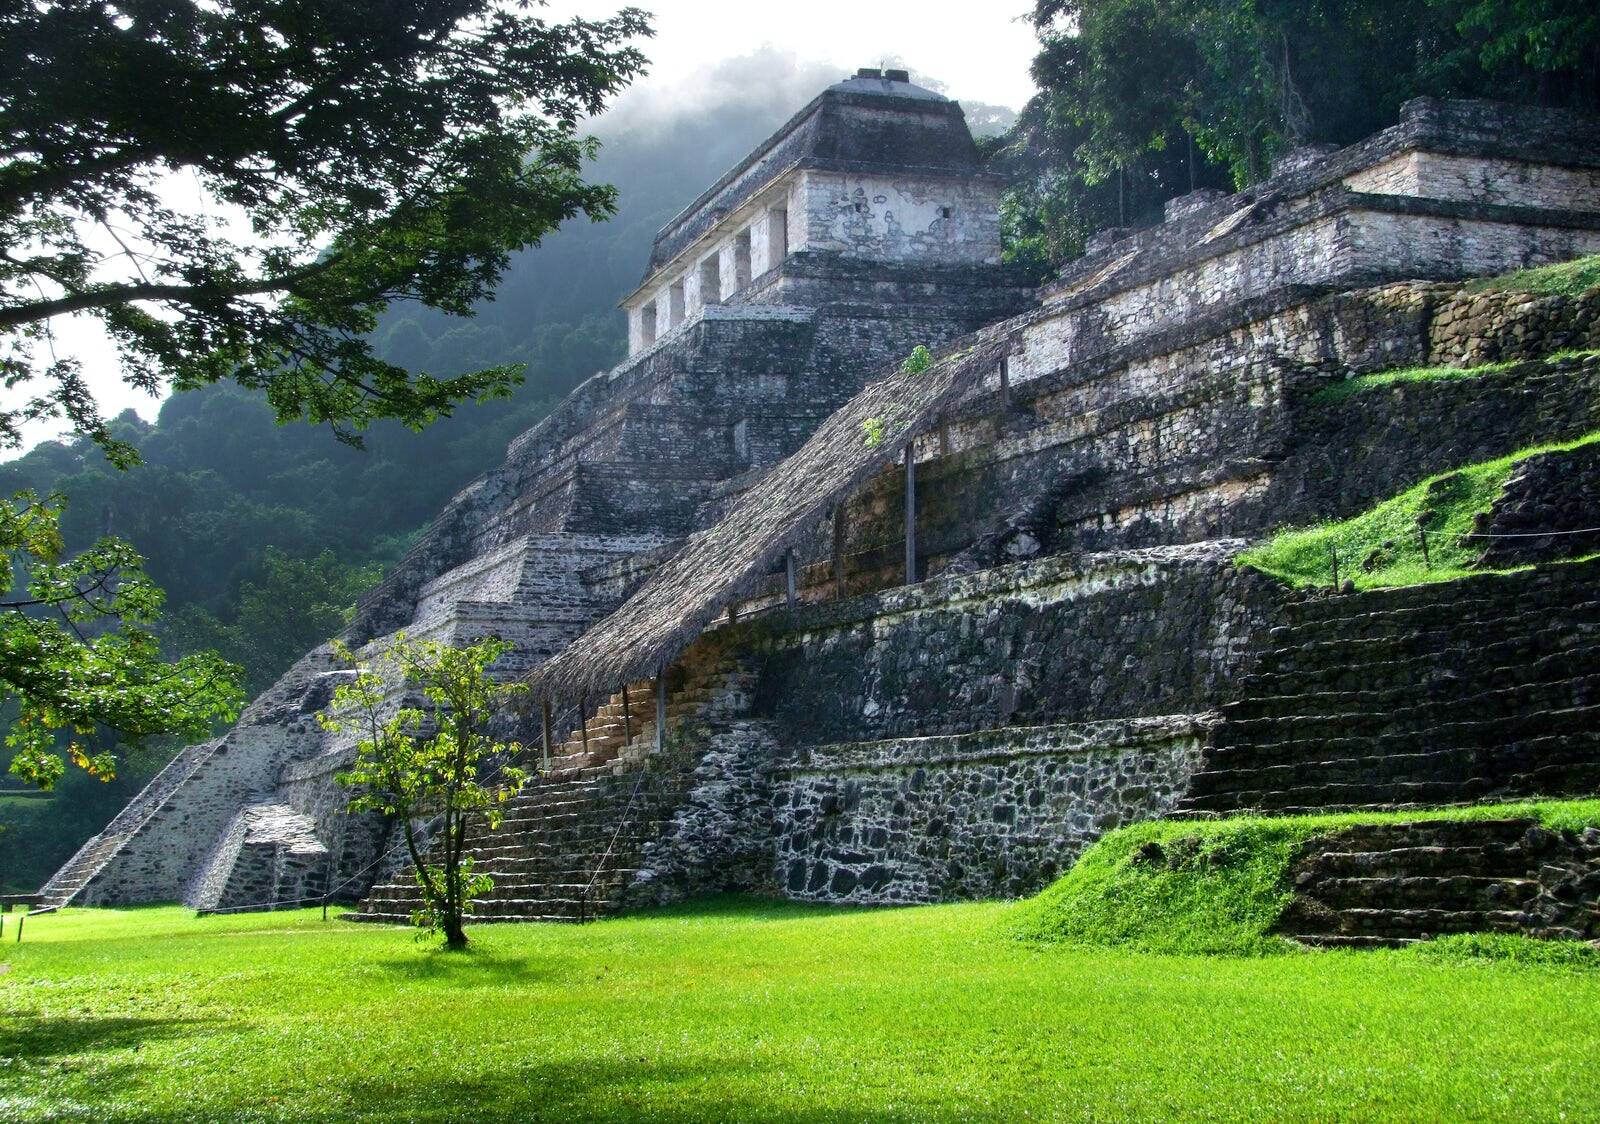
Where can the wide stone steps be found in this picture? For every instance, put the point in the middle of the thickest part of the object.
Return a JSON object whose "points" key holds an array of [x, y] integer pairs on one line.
{"points": [[1566, 702], [1454, 891], [572, 841], [1423, 677], [1397, 883], [1445, 693], [1396, 927], [1488, 859], [1397, 640], [1491, 597], [1572, 727], [1485, 618], [1543, 683], [1557, 766], [1459, 762], [1306, 799]]}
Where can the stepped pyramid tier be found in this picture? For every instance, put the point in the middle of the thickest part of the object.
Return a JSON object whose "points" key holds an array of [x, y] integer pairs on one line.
{"points": [[627, 465], [811, 624]]}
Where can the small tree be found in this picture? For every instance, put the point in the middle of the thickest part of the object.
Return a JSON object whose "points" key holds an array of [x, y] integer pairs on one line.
{"points": [[442, 762]]}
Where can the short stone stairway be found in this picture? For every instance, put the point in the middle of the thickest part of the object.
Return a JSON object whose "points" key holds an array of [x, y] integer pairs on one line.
{"points": [[572, 842], [1431, 695], [1386, 885], [620, 733]]}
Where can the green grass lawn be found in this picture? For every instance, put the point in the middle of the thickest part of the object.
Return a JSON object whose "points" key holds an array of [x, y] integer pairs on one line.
{"points": [[744, 1010]]}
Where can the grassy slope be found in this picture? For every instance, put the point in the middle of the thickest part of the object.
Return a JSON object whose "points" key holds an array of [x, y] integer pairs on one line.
{"points": [[1568, 278], [1227, 889], [1302, 556], [741, 1010]]}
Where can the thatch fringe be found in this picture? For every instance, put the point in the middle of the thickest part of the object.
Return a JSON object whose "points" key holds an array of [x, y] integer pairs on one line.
{"points": [[718, 565]]}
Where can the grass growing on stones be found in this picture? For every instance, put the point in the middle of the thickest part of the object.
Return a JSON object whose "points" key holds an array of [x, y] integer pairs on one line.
{"points": [[1381, 547], [1568, 278], [1214, 886], [742, 1010], [1349, 388]]}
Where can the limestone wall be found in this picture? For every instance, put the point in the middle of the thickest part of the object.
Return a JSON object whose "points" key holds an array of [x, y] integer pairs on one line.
{"points": [[992, 814], [1480, 179], [899, 218], [1063, 639], [1225, 432]]}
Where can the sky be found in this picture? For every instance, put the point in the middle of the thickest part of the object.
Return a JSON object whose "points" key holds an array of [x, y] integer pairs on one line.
{"points": [[980, 52]]}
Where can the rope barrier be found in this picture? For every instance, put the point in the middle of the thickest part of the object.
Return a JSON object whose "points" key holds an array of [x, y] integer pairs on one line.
{"points": [[1514, 534], [627, 812]]}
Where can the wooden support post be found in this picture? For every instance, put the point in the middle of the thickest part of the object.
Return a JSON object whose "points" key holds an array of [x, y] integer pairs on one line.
{"points": [[911, 515], [838, 550], [944, 439], [545, 731], [788, 573], [627, 718], [583, 720], [733, 612], [1005, 384], [661, 707]]}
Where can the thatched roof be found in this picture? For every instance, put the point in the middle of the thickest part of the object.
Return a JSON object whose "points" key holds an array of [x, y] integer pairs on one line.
{"points": [[718, 565]]}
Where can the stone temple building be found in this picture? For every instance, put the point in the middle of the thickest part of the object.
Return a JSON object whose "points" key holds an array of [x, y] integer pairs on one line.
{"points": [[798, 619]]}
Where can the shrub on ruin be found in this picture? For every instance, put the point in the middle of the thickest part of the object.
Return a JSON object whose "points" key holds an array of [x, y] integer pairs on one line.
{"points": [[918, 361], [438, 762]]}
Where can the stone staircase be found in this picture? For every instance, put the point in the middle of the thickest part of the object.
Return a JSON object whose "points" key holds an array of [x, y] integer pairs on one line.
{"points": [[620, 734], [1385, 885], [1438, 694], [571, 843]]}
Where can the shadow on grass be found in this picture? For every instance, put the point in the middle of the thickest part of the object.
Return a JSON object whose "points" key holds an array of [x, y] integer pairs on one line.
{"points": [[608, 1089], [750, 908], [476, 966], [34, 1037]]}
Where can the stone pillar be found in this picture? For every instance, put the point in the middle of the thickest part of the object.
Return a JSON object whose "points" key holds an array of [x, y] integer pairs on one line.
{"points": [[733, 264], [663, 313], [641, 327], [676, 311], [709, 276]]}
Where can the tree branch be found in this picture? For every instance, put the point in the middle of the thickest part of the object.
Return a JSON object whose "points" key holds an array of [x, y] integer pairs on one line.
{"points": [[103, 297]]}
